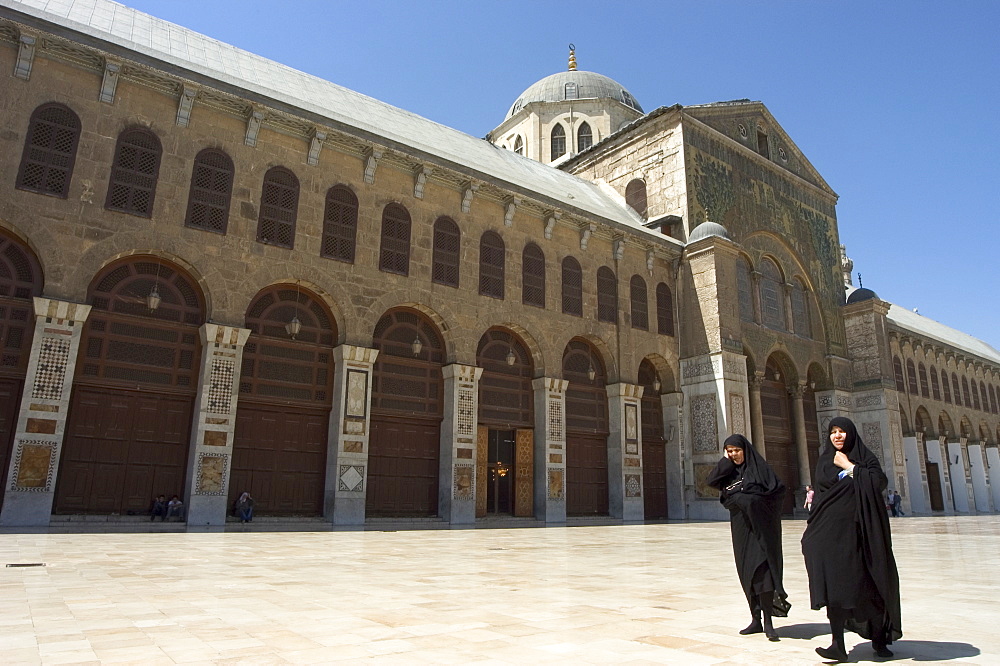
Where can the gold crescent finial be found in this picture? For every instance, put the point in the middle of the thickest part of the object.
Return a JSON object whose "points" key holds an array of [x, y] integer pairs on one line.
{"points": [[572, 57]]}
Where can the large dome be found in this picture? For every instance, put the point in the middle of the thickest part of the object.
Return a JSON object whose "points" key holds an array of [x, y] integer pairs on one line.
{"points": [[589, 85]]}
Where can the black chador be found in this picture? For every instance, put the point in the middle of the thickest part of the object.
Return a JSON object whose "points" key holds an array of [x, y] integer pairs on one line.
{"points": [[753, 494], [848, 547]]}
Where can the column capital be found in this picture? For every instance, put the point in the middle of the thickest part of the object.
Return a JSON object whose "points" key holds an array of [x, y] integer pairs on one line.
{"points": [[354, 353], [224, 335], [550, 384], [468, 373], [64, 310], [621, 389]]}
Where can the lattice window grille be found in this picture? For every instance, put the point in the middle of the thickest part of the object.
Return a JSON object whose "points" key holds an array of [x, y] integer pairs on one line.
{"points": [[340, 225], [211, 191], [50, 151], [447, 245]]}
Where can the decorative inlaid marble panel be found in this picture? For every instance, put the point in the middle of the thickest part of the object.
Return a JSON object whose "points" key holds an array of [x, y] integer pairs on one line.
{"points": [[631, 422], [352, 478], [633, 485], [557, 490], [737, 415], [356, 396], [873, 400], [464, 485], [34, 466], [872, 436], [211, 478], [556, 419], [466, 410], [704, 424], [220, 390], [701, 472], [53, 355]]}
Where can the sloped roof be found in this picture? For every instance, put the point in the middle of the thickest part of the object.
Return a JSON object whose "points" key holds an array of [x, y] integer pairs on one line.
{"points": [[188, 53]]}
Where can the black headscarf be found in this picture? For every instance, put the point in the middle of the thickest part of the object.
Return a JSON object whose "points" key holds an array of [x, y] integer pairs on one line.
{"points": [[843, 568], [753, 494]]}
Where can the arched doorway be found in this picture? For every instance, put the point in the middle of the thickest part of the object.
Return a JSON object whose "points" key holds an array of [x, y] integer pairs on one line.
{"points": [[654, 454], [283, 415], [505, 459], [586, 430], [407, 407], [129, 423], [779, 437], [20, 281]]}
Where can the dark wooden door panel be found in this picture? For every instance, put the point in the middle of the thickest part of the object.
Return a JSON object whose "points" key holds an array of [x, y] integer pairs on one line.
{"points": [[403, 467], [586, 475], [10, 398]]}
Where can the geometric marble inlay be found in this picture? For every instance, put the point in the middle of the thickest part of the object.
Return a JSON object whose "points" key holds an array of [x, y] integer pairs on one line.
{"points": [[51, 373], [220, 390], [633, 485], [556, 491], [872, 436], [704, 424], [466, 412], [211, 474], [356, 398], [737, 416], [464, 486], [555, 419], [352, 478], [34, 466]]}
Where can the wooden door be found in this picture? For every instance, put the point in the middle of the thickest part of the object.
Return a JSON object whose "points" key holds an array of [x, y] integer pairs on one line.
{"points": [[524, 452], [279, 457], [482, 453], [586, 475], [10, 399], [934, 486], [121, 449], [779, 440], [403, 467]]}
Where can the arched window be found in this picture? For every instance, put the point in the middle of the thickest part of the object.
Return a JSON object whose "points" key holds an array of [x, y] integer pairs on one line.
{"points": [[985, 397], [340, 224], [519, 145], [639, 303], [491, 265], [897, 370], [635, 196], [132, 185], [394, 253], [49, 151], [975, 395], [20, 282], [935, 386], [772, 298], [211, 191], [447, 243], [966, 395], [922, 371], [911, 377], [558, 141], [993, 399], [533, 276], [572, 287], [956, 389], [664, 310], [800, 310], [607, 295], [946, 387], [584, 137], [743, 290], [279, 205]]}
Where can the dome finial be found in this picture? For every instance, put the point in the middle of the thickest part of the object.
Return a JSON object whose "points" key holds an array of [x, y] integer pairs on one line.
{"points": [[572, 57]]}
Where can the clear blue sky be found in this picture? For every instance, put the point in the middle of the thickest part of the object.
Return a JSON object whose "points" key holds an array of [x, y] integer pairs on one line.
{"points": [[895, 103]]}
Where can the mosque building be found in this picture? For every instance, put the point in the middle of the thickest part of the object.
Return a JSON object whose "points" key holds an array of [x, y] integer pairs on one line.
{"points": [[219, 274]]}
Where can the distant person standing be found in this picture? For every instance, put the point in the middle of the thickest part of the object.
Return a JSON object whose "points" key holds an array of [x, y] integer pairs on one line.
{"points": [[808, 504], [897, 504], [749, 488]]}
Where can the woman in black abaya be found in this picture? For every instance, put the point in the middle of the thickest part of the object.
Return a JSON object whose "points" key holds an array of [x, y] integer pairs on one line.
{"points": [[848, 548], [753, 494]]}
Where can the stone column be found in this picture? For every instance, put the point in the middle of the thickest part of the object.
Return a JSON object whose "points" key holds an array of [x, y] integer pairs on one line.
{"points": [[550, 449], [457, 477], [801, 442], [347, 437], [210, 456], [625, 452], [41, 420], [673, 432], [756, 415]]}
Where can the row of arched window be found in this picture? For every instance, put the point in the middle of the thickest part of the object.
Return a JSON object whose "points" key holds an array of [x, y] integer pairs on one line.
{"points": [[961, 391], [557, 139], [49, 156], [774, 310]]}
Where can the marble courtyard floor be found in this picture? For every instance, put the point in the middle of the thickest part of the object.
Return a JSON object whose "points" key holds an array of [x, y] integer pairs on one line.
{"points": [[591, 594]]}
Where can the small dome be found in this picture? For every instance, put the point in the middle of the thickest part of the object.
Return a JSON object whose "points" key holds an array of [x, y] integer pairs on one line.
{"points": [[861, 294], [588, 85], [706, 229]]}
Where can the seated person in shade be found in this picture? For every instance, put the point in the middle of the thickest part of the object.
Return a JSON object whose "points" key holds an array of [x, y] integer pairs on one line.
{"points": [[175, 508], [244, 508], [159, 508]]}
